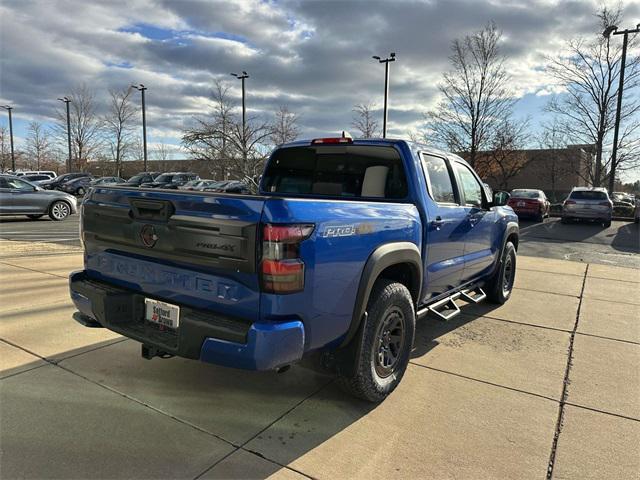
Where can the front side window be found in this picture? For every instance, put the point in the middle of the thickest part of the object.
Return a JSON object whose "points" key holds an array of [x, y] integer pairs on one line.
{"points": [[16, 184], [439, 179], [470, 186]]}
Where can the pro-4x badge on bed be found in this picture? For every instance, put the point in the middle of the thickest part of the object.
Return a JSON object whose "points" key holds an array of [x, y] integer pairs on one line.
{"points": [[148, 236]]}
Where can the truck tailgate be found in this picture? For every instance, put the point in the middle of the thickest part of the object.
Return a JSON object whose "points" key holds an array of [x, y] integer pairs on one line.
{"points": [[192, 248]]}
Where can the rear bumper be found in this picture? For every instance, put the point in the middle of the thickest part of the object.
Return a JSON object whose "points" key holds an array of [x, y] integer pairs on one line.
{"points": [[588, 214], [202, 335]]}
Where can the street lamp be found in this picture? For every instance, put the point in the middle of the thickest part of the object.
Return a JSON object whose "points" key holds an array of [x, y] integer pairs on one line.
{"points": [[141, 88], [390, 58], [66, 100], [13, 158], [613, 30], [244, 111]]}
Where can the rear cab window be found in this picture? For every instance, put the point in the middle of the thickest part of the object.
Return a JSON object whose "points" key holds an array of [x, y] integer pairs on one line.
{"points": [[588, 195], [344, 171]]}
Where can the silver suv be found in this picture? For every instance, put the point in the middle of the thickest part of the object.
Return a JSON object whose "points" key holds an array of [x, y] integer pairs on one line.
{"points": [[588, 203]]}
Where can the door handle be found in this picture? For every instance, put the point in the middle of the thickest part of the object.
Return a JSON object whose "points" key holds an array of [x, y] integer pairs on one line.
{"points": [[438, 222]]}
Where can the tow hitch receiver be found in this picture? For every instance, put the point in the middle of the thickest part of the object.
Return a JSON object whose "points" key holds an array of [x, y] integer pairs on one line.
{"points": [[150, 352]]}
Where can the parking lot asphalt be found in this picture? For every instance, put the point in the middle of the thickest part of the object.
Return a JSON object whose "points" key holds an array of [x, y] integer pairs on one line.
{"points": [[545, 386]]}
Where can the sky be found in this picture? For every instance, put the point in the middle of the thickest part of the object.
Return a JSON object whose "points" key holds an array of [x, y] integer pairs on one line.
{"points": [[313, 56]]}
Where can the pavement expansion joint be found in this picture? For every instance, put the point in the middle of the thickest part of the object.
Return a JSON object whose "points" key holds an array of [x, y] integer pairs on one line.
{"points": [[315, 392], [485, 382], [565, 384]]}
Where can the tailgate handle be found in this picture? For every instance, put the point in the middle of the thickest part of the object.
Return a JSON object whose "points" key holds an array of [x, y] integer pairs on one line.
{"points": [[151, 209]]}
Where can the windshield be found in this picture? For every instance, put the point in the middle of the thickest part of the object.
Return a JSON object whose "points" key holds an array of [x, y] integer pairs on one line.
{"points": [[525, 194], [165, 177], [135, 178], [337, 171], [588, 195]]}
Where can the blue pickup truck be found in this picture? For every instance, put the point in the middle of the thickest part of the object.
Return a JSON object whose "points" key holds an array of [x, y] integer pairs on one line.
{"points": [[347, 243]]}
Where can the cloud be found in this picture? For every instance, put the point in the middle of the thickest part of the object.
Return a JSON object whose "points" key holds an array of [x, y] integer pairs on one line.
{"points": [[313, 56]]}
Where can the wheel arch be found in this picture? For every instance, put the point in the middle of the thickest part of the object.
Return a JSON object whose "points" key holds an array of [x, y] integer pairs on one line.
{"points": [[400, 261]]}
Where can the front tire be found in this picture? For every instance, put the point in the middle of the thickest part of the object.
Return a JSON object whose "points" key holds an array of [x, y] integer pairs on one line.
{"points": [[500, 286], [386, 338], [59, 210]]}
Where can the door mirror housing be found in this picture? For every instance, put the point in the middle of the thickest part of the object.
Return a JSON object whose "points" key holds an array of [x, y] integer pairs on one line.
{"points": [[500, 199]]}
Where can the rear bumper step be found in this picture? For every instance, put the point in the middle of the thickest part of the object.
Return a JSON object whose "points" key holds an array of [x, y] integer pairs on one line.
{"points": [[202, 335]]}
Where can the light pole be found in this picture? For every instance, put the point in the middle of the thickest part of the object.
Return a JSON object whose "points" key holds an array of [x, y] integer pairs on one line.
{"points": [[244, 113], [66, 100], [612, 29], [390, 58], [13, 158], [142, 89]]}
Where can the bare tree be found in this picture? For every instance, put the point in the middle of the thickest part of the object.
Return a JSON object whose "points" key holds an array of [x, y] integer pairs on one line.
{"points": [[285, 126], [85, 126], [364, 121], [507, 157], [475, 95], [118, 124], [5, 150], [589, 75], [221, 140], [37, 144], [554, 160]]}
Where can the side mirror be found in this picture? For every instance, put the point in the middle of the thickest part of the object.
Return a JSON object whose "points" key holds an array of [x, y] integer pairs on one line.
{"points": [[500, 199]]}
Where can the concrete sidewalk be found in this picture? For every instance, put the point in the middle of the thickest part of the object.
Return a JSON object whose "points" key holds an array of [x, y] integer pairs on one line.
{"points": [[548, 383]]}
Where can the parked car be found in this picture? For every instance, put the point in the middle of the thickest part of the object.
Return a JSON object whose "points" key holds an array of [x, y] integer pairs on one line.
{"points": [[20, 197], [77, 186], [347, 243], [228, 186], [530, 203], [57, 182], [588, 203], [636, 212], [171, 180], [49, 173], [36, 179], [139, 179], [107, 180]]}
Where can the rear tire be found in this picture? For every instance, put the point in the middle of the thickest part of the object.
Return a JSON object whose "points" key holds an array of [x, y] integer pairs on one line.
{"points": [[500, 286], [59, 210], [540, 217], [35, 217], [80, 192], [606, 224], [386, 338]]}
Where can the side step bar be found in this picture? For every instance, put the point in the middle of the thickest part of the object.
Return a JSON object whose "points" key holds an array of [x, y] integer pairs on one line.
{"points": [[447, 308]]}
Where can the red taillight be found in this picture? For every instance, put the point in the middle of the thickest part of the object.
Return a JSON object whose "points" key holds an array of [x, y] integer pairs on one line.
{"points": [[317, 141], [281, 268]]}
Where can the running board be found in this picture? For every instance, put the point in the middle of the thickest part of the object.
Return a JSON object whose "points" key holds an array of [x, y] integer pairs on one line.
{"points": [[474, 296], [447, 308]]}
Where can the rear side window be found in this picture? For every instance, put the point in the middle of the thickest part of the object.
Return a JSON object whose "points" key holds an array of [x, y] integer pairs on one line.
{"points": [[588, 195], [337, 171], [439, 178]]}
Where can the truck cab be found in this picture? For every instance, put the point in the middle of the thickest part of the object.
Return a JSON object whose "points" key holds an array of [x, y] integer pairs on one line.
{"points": [[347, 244]]}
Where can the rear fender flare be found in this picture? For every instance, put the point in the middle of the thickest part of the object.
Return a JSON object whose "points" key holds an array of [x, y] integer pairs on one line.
{"points": [[383, 257]]}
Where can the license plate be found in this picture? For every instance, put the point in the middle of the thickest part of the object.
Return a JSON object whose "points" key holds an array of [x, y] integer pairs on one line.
{"points": [[521, 204], [162, 313]]}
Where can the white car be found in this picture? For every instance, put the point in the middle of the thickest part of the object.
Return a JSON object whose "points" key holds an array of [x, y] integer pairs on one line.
{"points": [[588, 203]]}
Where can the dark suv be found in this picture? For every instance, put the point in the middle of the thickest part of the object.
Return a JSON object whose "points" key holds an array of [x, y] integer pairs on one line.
{"points": [[171, 180], [139, 179], [60, 180]]}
